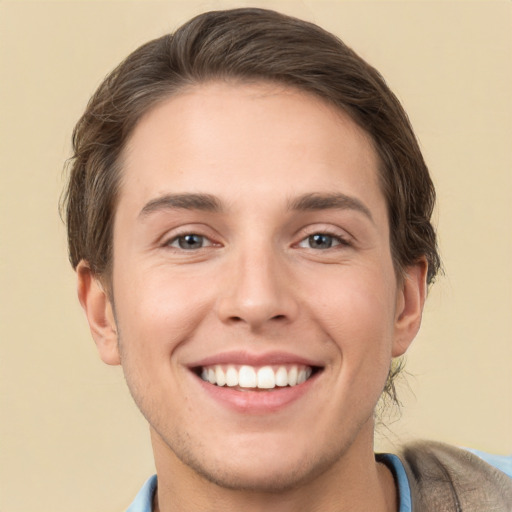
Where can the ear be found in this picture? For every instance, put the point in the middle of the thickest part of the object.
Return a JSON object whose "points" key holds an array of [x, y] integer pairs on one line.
{"points": [[409, 306], [99, 311]]}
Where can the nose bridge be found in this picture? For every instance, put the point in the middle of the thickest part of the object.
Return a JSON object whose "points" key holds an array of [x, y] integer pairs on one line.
{"points": [[258, 288]]}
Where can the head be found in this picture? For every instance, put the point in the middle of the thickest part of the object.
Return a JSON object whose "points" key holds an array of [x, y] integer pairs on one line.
{"points": [[230, 58]]}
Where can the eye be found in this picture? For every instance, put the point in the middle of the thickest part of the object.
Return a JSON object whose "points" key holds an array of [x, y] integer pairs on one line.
{"points": [[189, 242], [321, 241]]}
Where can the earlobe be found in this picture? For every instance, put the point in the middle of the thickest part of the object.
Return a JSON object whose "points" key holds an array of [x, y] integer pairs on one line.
{"points": [[98, 309], [410, 302]]}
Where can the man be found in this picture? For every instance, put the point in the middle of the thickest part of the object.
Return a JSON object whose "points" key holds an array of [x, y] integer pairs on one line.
{"points": [[249, 217]]}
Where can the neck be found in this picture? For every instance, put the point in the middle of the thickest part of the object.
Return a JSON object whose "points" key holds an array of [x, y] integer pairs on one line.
{"points": [[356, 482]]}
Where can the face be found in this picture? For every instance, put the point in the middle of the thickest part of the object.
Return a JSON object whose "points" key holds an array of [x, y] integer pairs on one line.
{"points": [[256, 304]]}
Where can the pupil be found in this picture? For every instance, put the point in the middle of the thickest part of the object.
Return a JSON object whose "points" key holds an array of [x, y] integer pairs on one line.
{"points": [[320, 241], [191, 242]]}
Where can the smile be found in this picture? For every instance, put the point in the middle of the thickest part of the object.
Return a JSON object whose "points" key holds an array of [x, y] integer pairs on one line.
{"points": [[253, 377]]}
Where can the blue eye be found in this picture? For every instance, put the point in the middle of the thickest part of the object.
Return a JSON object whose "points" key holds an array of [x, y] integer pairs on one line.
{"points": [[320, 241], [189, 242]]}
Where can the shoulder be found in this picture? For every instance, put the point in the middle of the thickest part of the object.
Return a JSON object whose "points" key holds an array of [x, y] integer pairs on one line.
{"points": [[501, 462], [445, 478]]}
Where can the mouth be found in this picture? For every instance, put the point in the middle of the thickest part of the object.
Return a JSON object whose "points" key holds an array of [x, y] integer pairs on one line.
{"points": [[253, 378], [257, 383]]}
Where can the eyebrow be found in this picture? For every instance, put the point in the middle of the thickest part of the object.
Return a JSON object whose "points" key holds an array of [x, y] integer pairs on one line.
{"points": [[333, 201], [209, 203], [203, 202]]}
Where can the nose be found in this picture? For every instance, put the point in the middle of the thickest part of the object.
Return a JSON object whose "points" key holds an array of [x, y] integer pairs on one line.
{"points": [[257, 291]]}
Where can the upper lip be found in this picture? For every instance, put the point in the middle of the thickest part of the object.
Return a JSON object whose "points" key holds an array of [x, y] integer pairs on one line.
{"points": [[239, 357]]}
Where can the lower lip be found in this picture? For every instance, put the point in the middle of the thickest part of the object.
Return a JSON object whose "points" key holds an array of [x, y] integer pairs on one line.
{"points": [[260, 401]]}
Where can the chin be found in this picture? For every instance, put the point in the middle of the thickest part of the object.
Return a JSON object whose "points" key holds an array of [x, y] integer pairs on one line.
{"points": [[260, 467], [259, 478]]}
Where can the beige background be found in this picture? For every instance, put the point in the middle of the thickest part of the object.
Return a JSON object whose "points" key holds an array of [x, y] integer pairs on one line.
{"points": [[70, 437]]}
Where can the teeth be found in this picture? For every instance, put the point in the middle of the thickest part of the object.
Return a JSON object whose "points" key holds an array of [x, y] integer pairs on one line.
{"points": [[264, 377], [246, 377], [281, 377], [220, 376], [232, 376], [292, 376]]}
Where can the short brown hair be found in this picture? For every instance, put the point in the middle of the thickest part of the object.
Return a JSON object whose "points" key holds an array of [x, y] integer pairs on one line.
{"points": [[248, 45]]}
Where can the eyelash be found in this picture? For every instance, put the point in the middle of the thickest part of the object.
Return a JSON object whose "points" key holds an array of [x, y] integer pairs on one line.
{"points": [[333, 239], [181, 237]]}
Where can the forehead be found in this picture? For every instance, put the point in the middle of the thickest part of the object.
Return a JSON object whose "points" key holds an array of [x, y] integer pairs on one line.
{"points": [[261, 140]]}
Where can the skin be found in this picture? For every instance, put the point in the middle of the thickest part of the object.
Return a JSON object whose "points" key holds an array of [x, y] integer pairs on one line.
{"points": [[256, 285]]}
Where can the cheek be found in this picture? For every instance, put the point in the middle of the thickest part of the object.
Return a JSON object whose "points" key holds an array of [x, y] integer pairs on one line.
{"points": [[352, 296], [156, 311], [356, 309], [155, 315]]}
